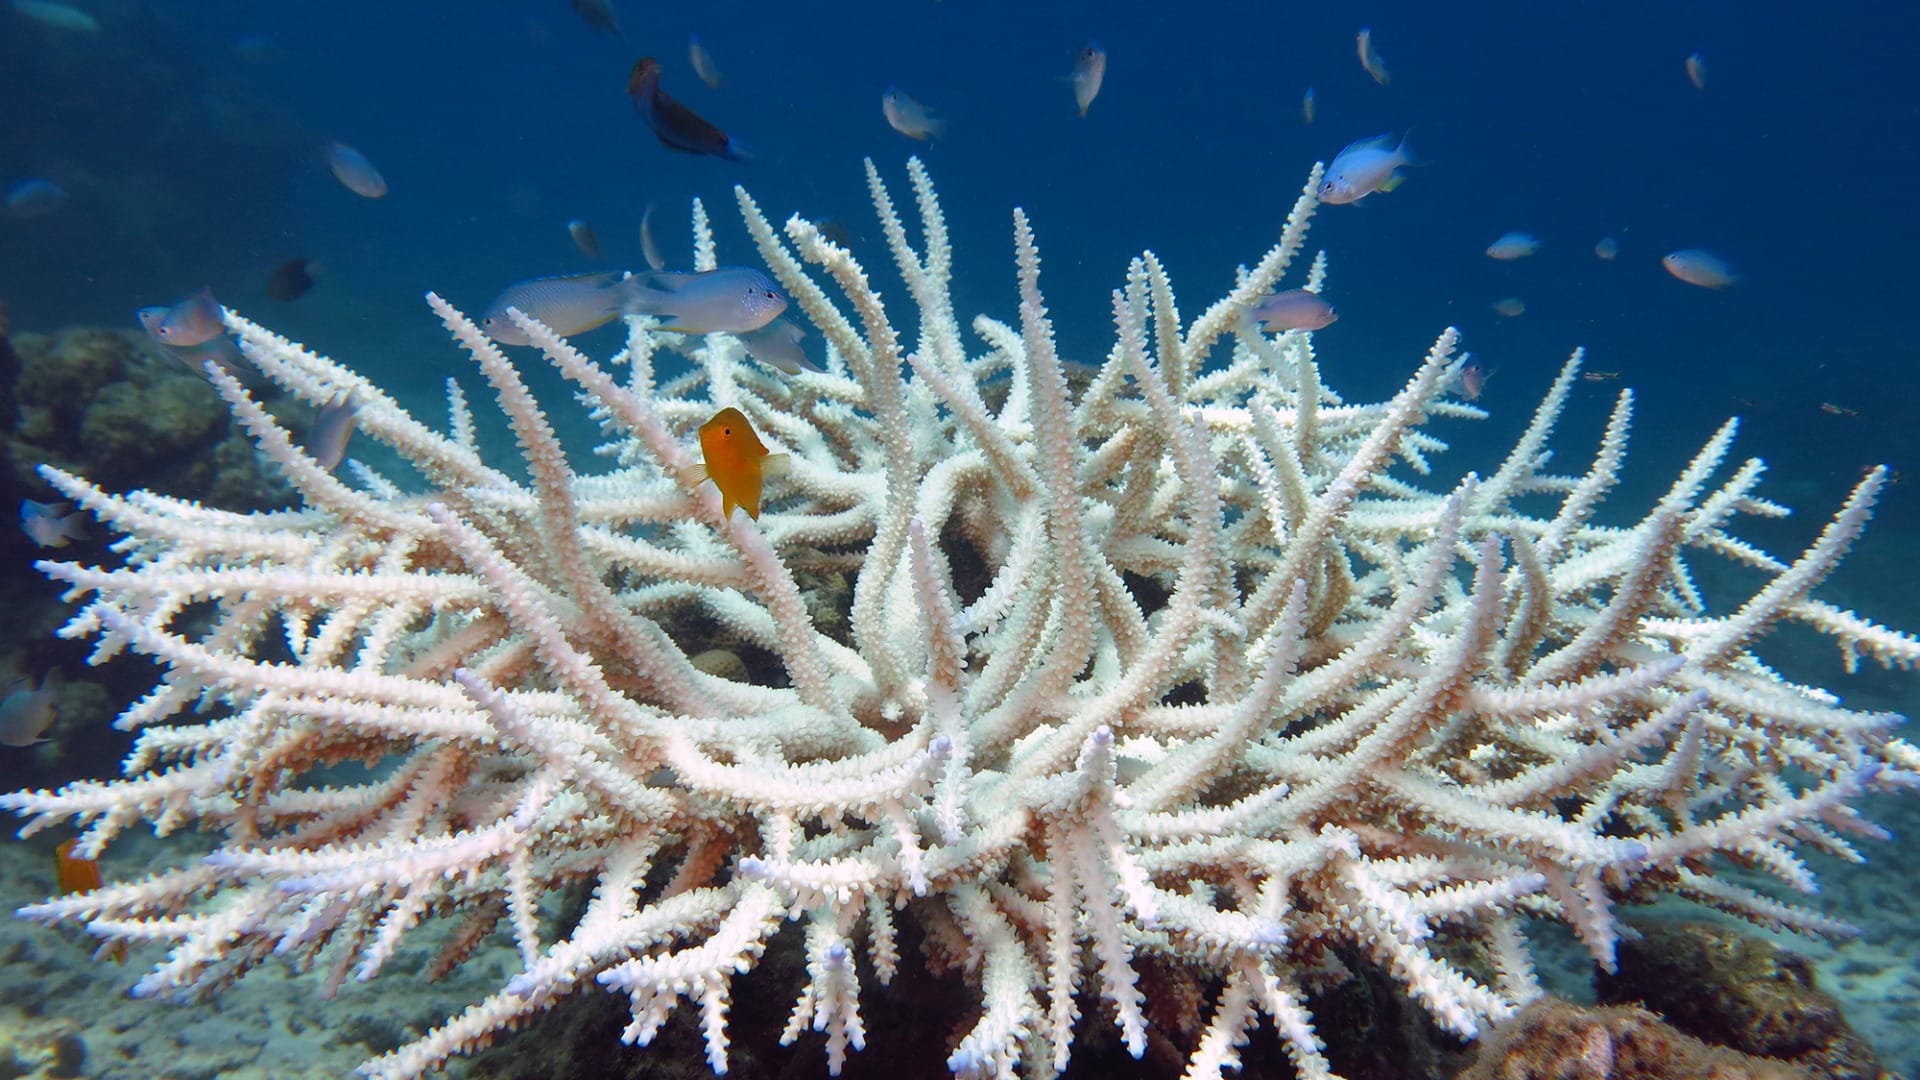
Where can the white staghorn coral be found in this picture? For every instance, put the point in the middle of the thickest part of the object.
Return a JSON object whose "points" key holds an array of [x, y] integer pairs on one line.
{"points": [[1170, 678]]}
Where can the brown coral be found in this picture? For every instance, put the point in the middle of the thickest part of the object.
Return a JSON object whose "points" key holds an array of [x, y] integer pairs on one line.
{"points": [[111, 404], [1554, 1039], [1739, 991]]}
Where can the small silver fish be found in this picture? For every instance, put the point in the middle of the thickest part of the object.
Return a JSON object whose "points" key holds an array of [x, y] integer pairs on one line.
{"points": [[584, 238], [352, 168], [1370, 58], [1294, 309], [573, 304], [1697, 71], [1089, 71], [777, 345], [332, 428], [1309, 106], [26, 714], [217, 350], [193, 321], [30, 199], [703, 64], [909, 117], [1473, 380], [1698, 266], [733, 299], [1364, 167], [1513, 245], [1511, 307], [650, 250], [49, 524]]}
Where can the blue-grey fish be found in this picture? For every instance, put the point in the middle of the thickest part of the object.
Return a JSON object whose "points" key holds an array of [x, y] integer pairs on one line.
{"points": [[909, 117], [49, 524], [703, 64], [193, 321], [734, 299], [31, 199], [26, 714], [584, 237], [1513, 245], [1697, 71], [573, 304], [777, 345], [1698, 266], [649, 249], [1089, 71], [1364, 167], [1370, 57], [332, 427], [352, 168], [1294, 309]]}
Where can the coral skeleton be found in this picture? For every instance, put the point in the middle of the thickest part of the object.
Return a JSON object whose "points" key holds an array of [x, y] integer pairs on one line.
{"points": [[1177, 668]]}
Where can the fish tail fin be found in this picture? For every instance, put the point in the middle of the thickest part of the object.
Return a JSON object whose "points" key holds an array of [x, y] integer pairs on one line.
{"points": [[775, 465], [737, 151], [1406, 151]]}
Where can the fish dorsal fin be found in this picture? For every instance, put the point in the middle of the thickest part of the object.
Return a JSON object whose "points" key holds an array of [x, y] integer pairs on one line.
{"points": [[1384, 141], [665, 280]]}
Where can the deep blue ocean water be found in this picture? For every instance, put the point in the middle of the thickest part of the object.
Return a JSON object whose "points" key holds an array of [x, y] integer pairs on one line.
{"points": [[190, 138]]}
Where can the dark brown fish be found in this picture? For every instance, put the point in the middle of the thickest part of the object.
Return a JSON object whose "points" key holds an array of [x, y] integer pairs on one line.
{"points": [[597, 14], [836, 234], [676, 126], [290, 280]]}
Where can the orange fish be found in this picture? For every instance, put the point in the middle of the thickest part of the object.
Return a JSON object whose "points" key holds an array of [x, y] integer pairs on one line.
{"points": [[74, 874], [737, 461]]}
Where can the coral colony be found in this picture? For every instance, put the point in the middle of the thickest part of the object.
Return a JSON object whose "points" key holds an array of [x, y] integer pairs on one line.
{"points": [[1187, 675]]}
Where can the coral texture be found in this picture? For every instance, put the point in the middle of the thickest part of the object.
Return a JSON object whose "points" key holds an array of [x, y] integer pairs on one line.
{"points": [[1734, 990], [1557, 1040], [1186, 668]]}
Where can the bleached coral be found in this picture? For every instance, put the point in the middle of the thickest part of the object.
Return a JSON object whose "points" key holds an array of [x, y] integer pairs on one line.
{"points": [[1176, 674]]}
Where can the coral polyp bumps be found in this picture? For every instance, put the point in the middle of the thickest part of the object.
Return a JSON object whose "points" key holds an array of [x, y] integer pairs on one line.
{"points": [[1175, 672]]}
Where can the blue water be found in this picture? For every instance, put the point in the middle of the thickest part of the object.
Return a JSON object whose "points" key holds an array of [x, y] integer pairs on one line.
{"points": [[194, 160], [190, 138]]}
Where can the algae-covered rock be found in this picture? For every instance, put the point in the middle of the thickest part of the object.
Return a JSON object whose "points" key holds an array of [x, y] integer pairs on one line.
{"points": [[1736, 990]]}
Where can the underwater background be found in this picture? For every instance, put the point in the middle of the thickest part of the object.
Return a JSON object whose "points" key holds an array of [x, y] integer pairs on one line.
{"points": [[189, 140]]}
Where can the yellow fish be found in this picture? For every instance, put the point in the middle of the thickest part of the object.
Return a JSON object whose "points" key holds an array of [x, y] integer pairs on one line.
{"points": [[737, 461]]}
